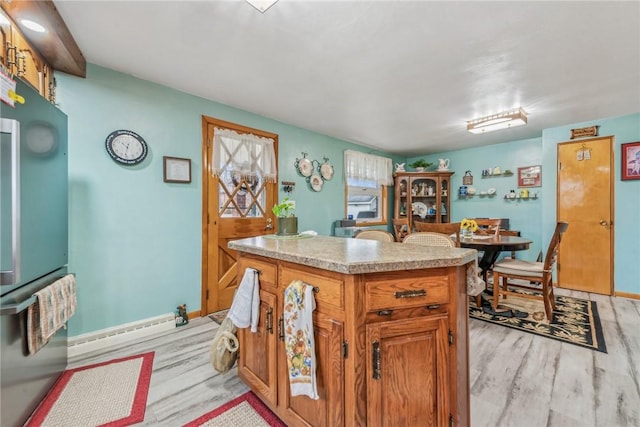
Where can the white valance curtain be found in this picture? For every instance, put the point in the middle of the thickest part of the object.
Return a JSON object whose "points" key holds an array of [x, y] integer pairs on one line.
{"points": [[367, 167], [246, 155]]}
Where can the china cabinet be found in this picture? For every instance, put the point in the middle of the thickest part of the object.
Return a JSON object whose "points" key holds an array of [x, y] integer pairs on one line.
{"points": [[422, 196]]}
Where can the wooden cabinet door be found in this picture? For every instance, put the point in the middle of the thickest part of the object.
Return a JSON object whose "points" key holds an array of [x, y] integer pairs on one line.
{"points": [[28, 62], [328, 410], [407, 371], [257, 364], [5, 39]]}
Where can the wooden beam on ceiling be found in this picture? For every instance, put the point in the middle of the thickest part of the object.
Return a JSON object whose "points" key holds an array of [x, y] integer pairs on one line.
{"points": [[56, 45]]}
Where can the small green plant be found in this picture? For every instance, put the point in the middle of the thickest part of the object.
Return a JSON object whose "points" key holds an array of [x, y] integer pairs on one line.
{"points": [[284, 209], [420, 163]]}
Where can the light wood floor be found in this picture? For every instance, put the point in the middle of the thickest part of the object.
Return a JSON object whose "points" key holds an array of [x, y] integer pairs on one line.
{"points": [[517, 379]]}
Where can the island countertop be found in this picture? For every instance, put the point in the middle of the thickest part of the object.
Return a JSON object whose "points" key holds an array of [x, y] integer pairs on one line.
{"points": [[353, 256]]}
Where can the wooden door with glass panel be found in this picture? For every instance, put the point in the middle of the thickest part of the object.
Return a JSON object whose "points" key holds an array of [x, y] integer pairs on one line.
{"points": [[235, 206]]}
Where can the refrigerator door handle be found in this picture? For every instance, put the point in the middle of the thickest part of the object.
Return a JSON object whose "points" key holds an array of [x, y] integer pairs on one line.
{"points": [[12, 127]]}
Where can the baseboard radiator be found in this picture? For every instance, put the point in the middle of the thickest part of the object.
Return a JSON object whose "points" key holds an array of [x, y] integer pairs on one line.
{"points": [[106, 338]]}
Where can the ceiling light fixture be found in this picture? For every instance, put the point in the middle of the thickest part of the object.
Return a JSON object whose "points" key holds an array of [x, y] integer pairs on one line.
{"points": [[262, 5], [504, 120], [33, 26]]}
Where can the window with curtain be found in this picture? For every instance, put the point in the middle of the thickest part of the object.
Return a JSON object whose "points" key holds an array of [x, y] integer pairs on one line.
{"points": [[367, 177], [243, 163]]}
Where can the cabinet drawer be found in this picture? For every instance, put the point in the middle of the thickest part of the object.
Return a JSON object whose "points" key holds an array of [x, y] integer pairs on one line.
{"points": [[267, 270], [330, 290], [406, 292]]}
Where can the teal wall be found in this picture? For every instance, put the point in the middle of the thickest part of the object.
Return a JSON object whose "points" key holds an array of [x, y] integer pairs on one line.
{"points": [[536, 218], [135, 241], [524, 215]]}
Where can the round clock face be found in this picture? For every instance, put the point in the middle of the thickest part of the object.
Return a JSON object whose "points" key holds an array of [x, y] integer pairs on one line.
{"points": [[126, 147]]}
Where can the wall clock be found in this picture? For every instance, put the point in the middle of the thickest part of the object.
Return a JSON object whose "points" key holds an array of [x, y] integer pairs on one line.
{"points": [[126, 147]]}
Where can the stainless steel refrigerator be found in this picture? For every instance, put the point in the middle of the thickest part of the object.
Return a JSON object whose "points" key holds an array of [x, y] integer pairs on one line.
{"points": [[33, 245]]}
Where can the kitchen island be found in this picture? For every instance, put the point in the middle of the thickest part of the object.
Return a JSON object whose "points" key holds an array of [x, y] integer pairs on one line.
{"points": [[390, 325]]}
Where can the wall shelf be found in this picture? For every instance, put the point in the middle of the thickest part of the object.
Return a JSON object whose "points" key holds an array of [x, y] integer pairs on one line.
{"points": [[496, 175], [518, 197]]}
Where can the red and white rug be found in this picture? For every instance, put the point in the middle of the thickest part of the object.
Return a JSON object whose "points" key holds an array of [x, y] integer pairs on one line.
{"points": [[246, 410], [112, 393]]}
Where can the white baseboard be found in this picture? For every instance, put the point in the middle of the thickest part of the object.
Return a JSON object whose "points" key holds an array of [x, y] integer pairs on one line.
{"points": [[106, 338]]}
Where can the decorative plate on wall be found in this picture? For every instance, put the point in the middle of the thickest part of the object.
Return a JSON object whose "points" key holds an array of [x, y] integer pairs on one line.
{"points": [[316, 182]]}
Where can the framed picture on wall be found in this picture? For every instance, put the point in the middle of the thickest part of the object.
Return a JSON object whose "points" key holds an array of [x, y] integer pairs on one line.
{"points": [[630, 160], [530, 176], [177, 169]]}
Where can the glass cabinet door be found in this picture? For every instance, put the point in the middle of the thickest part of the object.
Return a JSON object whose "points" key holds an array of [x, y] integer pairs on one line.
{"points": [[424, 198], [444, 200], [402, 199]]}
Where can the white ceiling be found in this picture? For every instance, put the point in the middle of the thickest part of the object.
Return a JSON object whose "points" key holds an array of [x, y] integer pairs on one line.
{"points": [[401, 76]]}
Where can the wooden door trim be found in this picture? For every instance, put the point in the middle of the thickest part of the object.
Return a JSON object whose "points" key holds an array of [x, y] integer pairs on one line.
{"points": [[612, 174], [207, 134]]}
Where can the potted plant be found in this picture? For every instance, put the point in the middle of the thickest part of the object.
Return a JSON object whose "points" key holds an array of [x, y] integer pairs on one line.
{"points": [[287, 220], [420, 165]]}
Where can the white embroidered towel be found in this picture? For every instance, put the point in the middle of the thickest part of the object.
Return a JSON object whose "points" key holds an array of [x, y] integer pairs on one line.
{"points": [[475, 284], [245, 308], [299, 305]]}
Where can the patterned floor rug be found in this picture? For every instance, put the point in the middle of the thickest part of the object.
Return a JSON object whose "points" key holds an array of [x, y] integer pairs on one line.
{"points": [[218, 316], [574, 321], [111, 393], [243, 411]]}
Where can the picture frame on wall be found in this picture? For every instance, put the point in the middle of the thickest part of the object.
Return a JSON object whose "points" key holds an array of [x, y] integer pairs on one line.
{"points": [[530, 176], [177, 169], [630, 161]]}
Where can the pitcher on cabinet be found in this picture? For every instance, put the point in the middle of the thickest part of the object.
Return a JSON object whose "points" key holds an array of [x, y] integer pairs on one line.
{"points": [[443, 164]]}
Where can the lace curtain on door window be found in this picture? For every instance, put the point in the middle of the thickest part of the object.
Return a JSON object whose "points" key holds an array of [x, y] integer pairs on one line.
{"points": [[244, 155]]}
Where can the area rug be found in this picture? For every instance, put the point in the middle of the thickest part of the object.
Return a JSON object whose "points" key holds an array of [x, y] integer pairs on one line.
{"points": [[218, 316], [112, 393], [574, 321], [246, 410]]}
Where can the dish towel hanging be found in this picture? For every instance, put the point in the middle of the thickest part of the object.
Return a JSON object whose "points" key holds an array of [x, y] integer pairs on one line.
{"points": [[55, 304], [245, 308], [299, 305]]}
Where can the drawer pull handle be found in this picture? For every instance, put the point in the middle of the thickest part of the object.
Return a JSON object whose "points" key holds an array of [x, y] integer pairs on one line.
{"points": [[270, 320], [411, 294], [433, 307], [375, 347], [281, 328], [385, 312]]}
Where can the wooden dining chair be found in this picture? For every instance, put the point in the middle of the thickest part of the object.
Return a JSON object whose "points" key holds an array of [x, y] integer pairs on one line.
{"points": [[379, 235], [488, 226], [401, 228], [444, 228], [427, 238], [532, 275], [510, 233]]}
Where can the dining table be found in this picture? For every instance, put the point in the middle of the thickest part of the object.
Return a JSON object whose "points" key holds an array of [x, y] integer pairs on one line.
{"points": [[491, 246]]}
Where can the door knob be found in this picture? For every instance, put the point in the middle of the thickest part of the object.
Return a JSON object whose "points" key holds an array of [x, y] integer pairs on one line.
{"points": [[603, 223]]}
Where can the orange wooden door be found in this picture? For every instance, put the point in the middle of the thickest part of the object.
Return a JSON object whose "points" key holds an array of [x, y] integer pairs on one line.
{"points": [[585, 201], [233, 207]]}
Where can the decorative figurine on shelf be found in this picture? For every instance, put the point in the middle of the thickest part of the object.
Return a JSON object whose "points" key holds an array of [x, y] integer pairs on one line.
{"points": [[181, 316], [443, 164], [400, 167]]}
